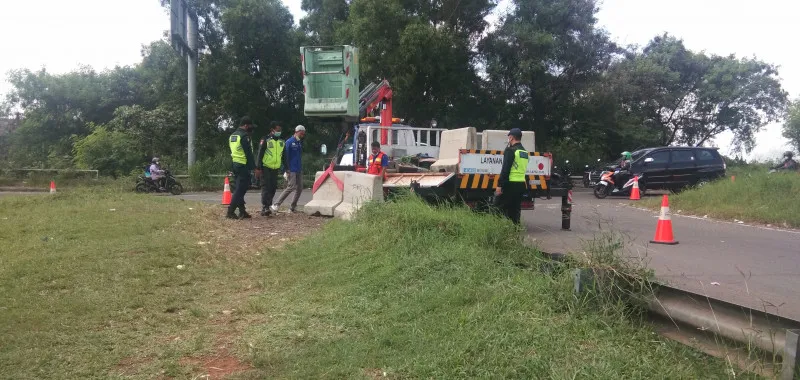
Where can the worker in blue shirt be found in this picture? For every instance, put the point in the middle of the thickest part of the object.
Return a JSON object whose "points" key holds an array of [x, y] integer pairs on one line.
{"points": [[294, 173]]}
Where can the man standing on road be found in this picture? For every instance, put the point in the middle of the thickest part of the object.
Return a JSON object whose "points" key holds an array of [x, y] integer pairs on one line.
{"points": [[243, 163], [268, 164], [378, 161], [511, 185], [294, 175]]}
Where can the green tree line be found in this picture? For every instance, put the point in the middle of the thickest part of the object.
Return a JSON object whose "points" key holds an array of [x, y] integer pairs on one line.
{"points": [[545, 66]]}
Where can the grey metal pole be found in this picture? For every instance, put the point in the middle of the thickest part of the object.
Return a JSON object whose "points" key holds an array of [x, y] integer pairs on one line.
{"points": [[192, 93]]}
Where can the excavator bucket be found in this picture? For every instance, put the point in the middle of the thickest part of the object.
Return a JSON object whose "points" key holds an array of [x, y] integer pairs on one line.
{"points": [[330, 81]]}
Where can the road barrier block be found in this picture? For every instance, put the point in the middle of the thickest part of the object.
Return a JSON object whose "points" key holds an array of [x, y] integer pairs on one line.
{"points": [[451, 142], [359, 188], [327, 196]]}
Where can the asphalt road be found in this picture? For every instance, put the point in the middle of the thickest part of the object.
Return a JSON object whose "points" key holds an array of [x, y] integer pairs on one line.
{"points": [[747, 265]]}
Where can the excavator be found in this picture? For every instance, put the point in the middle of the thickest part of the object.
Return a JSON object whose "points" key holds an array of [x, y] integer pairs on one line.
{"points": [[467, 164]]}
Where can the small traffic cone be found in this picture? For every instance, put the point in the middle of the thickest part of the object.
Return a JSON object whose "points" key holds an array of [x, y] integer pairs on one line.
{"points": [[52, 187], [664, 227], [635, 196], [226, 193]]}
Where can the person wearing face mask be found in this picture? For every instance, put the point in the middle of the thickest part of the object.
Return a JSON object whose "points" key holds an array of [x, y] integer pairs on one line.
{"points": [[511, 185], [268, 165], [243, 163], [294, 174]]}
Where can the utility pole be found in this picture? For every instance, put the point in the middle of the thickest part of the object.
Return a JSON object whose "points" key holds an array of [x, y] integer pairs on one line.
{"points": [[183, 35], [192, 81]]}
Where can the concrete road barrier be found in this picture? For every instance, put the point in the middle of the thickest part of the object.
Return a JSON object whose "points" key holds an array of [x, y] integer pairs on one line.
{"points": [[359, 188], [451, 142], [493, 139], [327, 197]]}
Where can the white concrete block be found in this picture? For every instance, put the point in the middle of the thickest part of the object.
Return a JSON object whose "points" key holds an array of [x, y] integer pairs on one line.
{"points": [[359, 188], [327, 197], [451, 142], [497, 140]]}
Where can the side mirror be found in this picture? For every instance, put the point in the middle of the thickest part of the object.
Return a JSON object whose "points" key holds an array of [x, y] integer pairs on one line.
{"points": [[648, 160], [323, 150]]}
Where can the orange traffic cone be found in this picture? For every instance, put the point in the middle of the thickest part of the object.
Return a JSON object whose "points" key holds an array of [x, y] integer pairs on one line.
{"points": [[635, 196], [226, 193], [52, 187], [664, 227]]}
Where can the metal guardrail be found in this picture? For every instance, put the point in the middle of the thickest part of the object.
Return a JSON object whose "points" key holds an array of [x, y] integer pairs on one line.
{"points": [[95, 172], [700, 314]]}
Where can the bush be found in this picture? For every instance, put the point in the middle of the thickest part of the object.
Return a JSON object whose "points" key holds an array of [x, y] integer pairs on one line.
{"points": [[113, 153]]}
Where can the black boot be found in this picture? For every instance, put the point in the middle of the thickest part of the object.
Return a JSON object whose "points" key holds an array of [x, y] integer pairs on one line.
{"points": [[231, 214], [265, 211], [243, 214]]}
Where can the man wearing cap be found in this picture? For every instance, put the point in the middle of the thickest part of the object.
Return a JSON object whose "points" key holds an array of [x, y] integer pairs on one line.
{"points": [[511, 186], [294, 175], [243, 163]]}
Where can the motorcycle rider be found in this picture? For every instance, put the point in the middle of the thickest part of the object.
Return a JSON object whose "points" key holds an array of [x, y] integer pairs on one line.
{"points": [[787, 163], [622, 168], [157, 174]]}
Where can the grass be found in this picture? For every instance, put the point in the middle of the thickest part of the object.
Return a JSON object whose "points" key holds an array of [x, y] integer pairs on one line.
{"points": [[90, 288], [754, 196]]}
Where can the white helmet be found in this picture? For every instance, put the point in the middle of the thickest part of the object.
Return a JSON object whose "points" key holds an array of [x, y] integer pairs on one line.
{"points": [[300, 128], [154, 160]]}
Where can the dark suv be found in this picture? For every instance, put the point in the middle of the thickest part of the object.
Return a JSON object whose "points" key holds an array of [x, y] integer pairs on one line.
{"points": [[675, 168]]}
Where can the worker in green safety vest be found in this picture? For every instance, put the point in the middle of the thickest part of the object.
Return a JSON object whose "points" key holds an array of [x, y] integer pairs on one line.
{"points": [[511, 186], [243, 163], [268, 165]]}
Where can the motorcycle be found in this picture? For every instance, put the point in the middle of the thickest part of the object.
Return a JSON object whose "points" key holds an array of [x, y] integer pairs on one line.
{"points": [[607, 186], [147, 185], [587, 175]]}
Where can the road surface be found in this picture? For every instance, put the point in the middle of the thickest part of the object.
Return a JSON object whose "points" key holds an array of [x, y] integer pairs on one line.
{"points": [[753, 266]]}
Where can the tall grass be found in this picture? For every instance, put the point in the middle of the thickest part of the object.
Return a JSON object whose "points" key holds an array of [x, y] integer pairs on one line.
{"points": [[754, 195], [411, 291]]}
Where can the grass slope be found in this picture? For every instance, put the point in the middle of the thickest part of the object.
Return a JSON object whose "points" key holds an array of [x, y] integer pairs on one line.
{"points": [[416, 292], [754, 196], [406, 290]]}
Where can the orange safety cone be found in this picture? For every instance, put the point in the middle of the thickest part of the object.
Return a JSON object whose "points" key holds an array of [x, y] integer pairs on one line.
{"points": [[635, 196], [52, 187], [664, 227], [226, 193]]}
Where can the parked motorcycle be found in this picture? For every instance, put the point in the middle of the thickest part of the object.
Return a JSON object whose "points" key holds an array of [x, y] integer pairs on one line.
{"points": [[587, 174], [607, 185], [147, 185]]}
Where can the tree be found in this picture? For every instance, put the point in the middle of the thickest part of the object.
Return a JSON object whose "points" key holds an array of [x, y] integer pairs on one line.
{"points": [[113, 153], [540, 64], [689, 98], [791, 128]]}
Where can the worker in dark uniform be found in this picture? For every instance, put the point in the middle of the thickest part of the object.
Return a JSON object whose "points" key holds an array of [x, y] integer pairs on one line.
{"points": [[243, 163], [511, 186], [268, 165]]}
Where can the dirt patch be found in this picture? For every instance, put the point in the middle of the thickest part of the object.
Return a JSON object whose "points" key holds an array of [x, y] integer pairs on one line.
{"points": [[251, 236], [216, 367], [131, 365]]}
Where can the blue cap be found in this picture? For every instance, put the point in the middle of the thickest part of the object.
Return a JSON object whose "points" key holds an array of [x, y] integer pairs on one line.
{"points": [[516, 132]]}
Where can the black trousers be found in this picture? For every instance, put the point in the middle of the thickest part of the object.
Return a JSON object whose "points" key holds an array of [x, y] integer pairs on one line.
{"points": [[510, 202], [242, 181], [269, 186]]}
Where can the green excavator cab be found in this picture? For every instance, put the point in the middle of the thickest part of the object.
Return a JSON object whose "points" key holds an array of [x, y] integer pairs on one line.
{"points": [[330, 81]]}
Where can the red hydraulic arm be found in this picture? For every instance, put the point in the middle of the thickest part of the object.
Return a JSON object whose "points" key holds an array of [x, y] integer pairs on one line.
{"points": [[382, 95]]}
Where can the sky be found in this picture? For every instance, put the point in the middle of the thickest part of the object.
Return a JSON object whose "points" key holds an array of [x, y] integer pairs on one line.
{"points": [[62, 35]]}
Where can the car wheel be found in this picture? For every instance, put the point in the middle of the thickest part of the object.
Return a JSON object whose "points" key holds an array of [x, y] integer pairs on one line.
{"points": [[701, 183]]}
